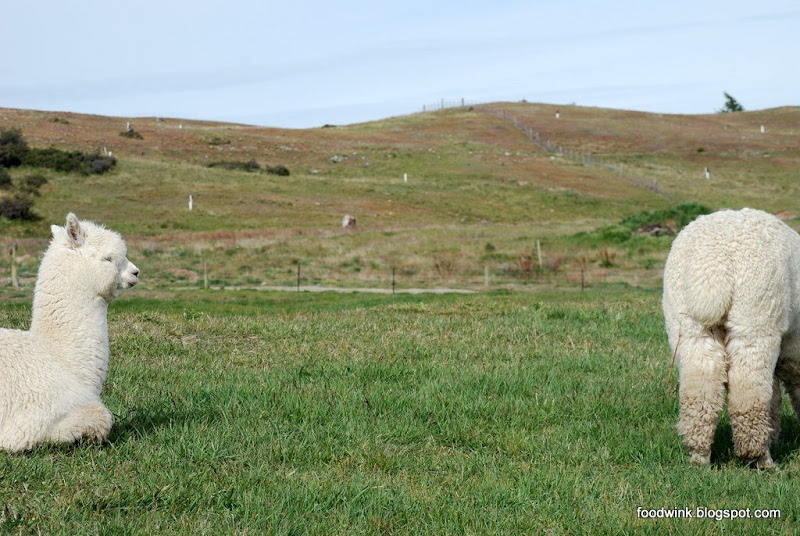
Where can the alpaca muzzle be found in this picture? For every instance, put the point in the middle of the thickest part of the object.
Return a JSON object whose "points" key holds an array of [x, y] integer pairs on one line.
{"points": [[131, 276]]}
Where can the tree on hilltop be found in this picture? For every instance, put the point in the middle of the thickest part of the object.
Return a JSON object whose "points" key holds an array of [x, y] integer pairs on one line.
{"points": [[731, 105]]}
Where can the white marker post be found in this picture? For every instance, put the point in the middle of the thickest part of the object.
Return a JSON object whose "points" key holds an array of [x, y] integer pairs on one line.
{"points": [[191, 203], [708, 174], [539, 254], [762, 129], [405, 177]]}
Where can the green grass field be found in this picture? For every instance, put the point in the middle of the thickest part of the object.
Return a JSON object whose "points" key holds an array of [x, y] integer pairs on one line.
{"points": [[549, 412], [529, 407]]}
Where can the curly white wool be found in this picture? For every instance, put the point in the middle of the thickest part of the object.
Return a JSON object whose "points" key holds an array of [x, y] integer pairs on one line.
{"points": [[53, 374], [732, 308]]}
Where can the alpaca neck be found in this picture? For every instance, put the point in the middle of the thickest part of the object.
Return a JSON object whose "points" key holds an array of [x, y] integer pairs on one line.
{"points": [[76, 329]]}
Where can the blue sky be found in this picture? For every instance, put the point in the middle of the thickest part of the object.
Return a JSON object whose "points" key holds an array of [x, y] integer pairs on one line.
{"points": [[308, 63]]}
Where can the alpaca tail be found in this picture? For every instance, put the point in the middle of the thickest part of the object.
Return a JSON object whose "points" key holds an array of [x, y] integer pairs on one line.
{"points": [[709, 294]]}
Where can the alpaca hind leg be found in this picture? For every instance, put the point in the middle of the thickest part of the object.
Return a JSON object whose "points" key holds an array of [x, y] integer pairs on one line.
{"points": [[702, 365], [91, 422], [751, 396], [788, 370], [775, 411]]}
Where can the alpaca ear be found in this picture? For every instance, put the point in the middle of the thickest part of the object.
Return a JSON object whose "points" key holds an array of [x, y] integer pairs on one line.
{"points": [[75, 234], [56, 230]]}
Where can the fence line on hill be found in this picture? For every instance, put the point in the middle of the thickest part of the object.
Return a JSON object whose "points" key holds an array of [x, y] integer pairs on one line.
{"points": [[445, 104], [586, 159], [550, 147]]}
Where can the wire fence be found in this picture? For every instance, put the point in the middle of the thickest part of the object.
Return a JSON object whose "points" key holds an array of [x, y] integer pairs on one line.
{"points": [[212, 268], [587, 159], [445, 104]]}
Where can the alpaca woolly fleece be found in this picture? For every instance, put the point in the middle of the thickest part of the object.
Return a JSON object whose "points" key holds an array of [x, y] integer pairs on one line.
{"points": [[731, 304], [51, 376]]}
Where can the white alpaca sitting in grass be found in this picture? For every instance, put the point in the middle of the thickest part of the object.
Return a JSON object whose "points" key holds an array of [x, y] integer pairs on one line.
{"points": [[732, 308], [51, 376]]}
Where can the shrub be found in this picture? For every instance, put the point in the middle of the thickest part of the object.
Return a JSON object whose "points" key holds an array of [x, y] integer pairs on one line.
{"points": [[31, 183], [277, 170], [655, 222], [16, 206], [445, 263], [525, 263], [69, 161], [12, 147], [680, 215], [606, 258], [100, 164], [5, 179], [215, 140], [132, 134], [14, 151], [234, 165]]}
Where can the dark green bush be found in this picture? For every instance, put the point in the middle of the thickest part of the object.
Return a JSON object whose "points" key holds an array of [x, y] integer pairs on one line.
{"points": [[667, 221], [14, 151], [234, 165], [69, 161], [132, 134], [12, 147], [101, 164], [5, 179], [277, 170], [16, 206], [680, 216]]}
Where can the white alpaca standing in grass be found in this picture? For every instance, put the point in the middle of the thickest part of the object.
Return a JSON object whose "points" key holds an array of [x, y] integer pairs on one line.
{"points": [[51, 376], [732, 309]]}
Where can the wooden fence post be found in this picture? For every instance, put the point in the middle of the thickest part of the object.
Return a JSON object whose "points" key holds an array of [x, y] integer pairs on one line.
{"points": [[14, 274]]}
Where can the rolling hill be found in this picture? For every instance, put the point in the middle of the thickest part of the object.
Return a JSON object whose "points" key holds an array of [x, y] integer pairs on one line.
{"points": [[484, 183]]}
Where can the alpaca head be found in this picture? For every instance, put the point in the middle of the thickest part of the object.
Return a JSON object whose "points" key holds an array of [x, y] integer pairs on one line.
{"points": [[94, 257]]}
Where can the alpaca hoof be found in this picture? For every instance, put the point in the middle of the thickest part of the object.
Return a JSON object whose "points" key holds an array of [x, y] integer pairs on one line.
{"points": [[96, 436], [764, 462], [698, 459], [97, 433]]}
